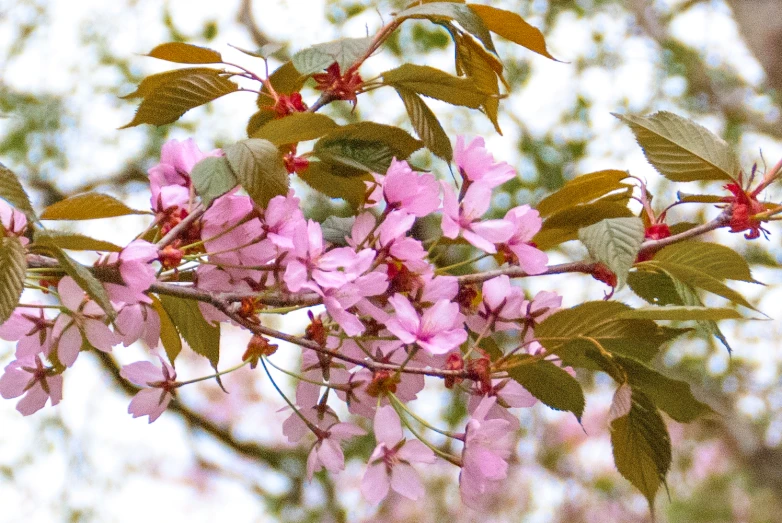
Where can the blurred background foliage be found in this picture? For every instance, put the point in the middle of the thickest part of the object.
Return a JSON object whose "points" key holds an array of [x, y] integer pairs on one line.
{"points": [[63, 67]]}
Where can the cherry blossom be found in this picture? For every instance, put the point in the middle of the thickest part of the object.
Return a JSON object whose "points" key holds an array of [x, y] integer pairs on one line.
{"points": [[439, 330], [134, 264], [526, 224], [327, 453], [487, 446], [28, 376], [31, 329], [158, 385], [465, 218], [477, 165], [417, 194], [390, 463]]}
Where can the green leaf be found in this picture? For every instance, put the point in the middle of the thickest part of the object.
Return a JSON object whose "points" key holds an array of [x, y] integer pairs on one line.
{"points": [[434, 83], [345, 51], [642, 447], [203, 337], [88, 206], [182, 53], [513, 27], [682, 150], [699, 279], [673, 397], [366, 146], [212, 177], [170, 99], [716, 260], [13, 192], [337, 229], [681, 313], [13, 266], [599, 322], [265, 51], [337, 181], [426, 125], [551, 385], [614, 242], [259, 168], [296, 127], [74, 241], [707, 328], [583, 189], [169, 336], [460, 13], [656, 288], [563, 226], [84, 279]]}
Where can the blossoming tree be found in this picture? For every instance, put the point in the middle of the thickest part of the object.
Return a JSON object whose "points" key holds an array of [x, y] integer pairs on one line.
{"points": [[227, 242]]}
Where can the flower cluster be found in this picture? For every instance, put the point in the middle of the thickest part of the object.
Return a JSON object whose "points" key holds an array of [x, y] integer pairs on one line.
{"points": [[391, 315]]}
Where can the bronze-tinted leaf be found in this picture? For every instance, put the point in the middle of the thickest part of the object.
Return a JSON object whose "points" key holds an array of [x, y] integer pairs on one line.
{"points": [[169, 100], [337, 181], [182, 53], [296, 127], [88, 206], [513, 27], [426, 125], [13, 192], [13, 266], [434, 83]]}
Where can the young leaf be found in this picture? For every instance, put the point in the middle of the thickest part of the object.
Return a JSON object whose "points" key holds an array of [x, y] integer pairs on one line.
{"points": [[169, 336], [426, 125], [345, 52], [484, 68], [366, 146], [583, 189], [682, 150], [285, 80], [13, 192], [330, 180], [459, 13], [171, 99], [74, 241], [695, 277], [259, 168], [84, 278], [212, 177], [88, 206], [716, 260], [599, 321], [434, 83], [182, 53], [513, 27], [152, 82], [707, 328], [563, 226], [642, 447], [203, 337], [552, 385], [614, 242], [13, 266], [681, 313], [296, 127], [673, 397]]}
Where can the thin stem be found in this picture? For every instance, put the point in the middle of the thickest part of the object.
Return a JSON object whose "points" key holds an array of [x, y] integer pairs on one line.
{"points": [[447, 457], [215, 375]]}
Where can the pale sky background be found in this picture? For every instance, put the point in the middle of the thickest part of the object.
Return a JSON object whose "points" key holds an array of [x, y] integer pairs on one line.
{"points": [[105, 446]]}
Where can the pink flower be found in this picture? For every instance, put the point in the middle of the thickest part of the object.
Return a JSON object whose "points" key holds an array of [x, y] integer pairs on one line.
{"points": [[477, 164], [137, 274], [487, 445], [500, 307], [389, 464], [439, 330], [327, 453], [508, 393], [14, 222], [84, 319], [158, 383], [28, 375], [31, 329], [139, 321], [465, 218], [177, 159], [414, 193], [526, 224]]}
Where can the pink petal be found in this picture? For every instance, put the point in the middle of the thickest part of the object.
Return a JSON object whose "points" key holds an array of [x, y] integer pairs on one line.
{"points": [[34, 400], [69, 345], [414, 451], [375, 484], [387, 426], [405, 480]]}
